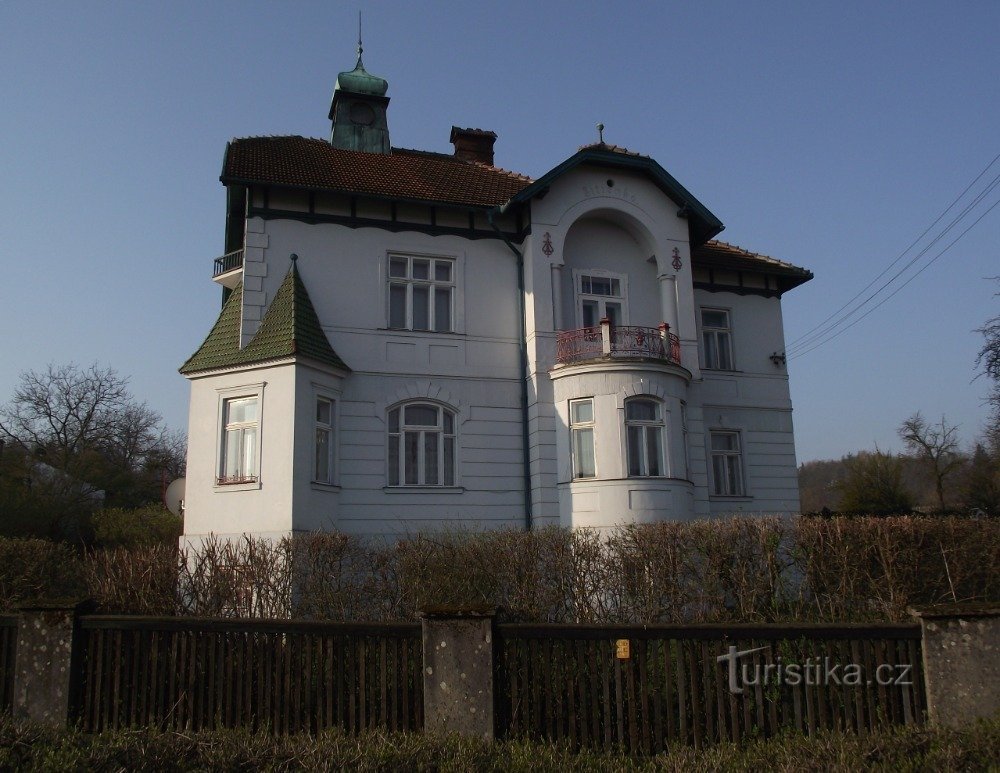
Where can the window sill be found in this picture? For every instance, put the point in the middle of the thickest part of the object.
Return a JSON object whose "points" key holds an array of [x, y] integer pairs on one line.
{"points": [[424, 489], [328, 487], [223, 488], [730, 497], [721, 370], [405, 331]]}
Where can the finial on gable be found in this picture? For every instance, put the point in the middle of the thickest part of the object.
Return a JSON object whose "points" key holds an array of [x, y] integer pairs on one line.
{"points": [[600, 133]]}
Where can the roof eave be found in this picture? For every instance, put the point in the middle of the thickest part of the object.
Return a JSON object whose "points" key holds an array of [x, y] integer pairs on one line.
{"points": [[710, 225], [226, 180]]}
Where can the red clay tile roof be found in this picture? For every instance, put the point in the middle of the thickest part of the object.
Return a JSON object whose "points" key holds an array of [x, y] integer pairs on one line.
{"points": [[302, 162], [731, 254], [716, 254]]}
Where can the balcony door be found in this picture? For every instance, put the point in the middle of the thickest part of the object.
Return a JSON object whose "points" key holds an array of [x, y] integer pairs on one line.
{"points": [[601, 294]]}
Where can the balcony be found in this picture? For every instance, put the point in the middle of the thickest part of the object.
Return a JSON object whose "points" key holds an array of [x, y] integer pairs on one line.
{"points": [[607, 341], [226, 270], [228, 262]]}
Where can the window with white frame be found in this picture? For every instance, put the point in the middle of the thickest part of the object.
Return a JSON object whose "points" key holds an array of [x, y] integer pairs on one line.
{"points": [[238, 457], [421, 293], [421, 445], [581, 420], [324, 450], [644, 430], [717, 339], [600, 295], [727, 465]]}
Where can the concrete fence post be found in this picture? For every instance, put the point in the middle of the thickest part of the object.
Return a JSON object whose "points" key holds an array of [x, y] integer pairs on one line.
{"points": [[458, 671], [44, 667], [961, 654]]}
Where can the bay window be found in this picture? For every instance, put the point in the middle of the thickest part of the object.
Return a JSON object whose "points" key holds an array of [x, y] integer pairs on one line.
{"points": [[582, 438], [644, 430], [238, 455], [324, 448]]}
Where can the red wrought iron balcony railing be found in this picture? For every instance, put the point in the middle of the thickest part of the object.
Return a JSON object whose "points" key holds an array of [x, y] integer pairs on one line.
{"points": [[618, 341], [228, 262]]}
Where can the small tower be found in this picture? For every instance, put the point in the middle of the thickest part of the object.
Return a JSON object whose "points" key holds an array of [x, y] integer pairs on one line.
{"points": [[358, 111]]}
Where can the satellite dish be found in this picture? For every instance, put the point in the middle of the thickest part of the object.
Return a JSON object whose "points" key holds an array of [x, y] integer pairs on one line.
{"points": [[173, 497]]}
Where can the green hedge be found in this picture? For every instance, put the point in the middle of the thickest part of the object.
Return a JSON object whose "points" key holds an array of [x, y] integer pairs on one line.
{"points": [[26, 747]]}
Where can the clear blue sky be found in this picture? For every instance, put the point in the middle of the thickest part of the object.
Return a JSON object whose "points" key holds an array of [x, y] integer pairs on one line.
{"points": [[829, 134]]}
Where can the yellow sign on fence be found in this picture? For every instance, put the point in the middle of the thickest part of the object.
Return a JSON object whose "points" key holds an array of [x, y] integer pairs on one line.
{"points": [[623, 649]]}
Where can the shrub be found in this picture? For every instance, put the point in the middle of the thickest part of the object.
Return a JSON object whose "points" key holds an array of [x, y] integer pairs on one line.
{"points": [[136, 527], [733, 570], [36, 569]]}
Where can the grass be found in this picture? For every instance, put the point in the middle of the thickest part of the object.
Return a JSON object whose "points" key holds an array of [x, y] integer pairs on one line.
{"points": [[27, 747]]}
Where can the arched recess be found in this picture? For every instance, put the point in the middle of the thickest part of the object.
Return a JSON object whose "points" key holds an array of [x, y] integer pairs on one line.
{"points": [[609, 269]]}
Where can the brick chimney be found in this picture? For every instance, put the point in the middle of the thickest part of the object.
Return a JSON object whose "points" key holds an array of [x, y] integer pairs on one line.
{"points": [[473, 144]]}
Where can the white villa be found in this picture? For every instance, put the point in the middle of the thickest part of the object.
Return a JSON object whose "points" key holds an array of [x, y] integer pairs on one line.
{"points": [[413, 340]]}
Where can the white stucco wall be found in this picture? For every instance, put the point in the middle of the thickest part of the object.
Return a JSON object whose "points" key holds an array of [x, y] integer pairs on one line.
{"points": [[629, 228], [261, 508]]}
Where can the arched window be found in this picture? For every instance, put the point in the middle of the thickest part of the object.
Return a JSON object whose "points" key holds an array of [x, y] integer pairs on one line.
{"points": [[421, 445], [644, 428]]}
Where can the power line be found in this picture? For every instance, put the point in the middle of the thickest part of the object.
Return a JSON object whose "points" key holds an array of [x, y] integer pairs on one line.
{"points": [[899, 257], [918, 273], [820, 331]]}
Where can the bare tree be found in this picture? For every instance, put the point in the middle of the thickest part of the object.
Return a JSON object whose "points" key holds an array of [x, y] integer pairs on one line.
{"points": [[85, 423], [936, 446], [988, 361], [64, 410]]}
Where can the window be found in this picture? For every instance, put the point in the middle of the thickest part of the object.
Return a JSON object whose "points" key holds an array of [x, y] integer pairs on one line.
{"points": [[421, 293], [421, 445], [238, 460], [727, 465], [323, 457], [717, 339], [601, 296], [581, 420], [644, 428]]}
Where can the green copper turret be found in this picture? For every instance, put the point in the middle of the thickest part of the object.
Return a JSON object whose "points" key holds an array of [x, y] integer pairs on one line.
{"points": [[358, 111]]}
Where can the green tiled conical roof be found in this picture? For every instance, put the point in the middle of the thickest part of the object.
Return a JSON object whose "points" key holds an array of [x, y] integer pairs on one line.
{"points": [[290, 328]]}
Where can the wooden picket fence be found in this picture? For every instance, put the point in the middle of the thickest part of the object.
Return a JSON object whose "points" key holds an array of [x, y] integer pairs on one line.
{"points": [[569, 683], [8, 643], [276, 675]]}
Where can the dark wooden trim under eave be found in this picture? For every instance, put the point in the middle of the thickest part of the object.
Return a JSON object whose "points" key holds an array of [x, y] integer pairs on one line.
{"points": [[312, 218], [737, 290]]}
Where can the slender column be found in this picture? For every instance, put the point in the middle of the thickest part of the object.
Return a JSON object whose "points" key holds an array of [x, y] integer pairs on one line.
{"points": [[606, 336], [557, 304], [668, 300]]}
